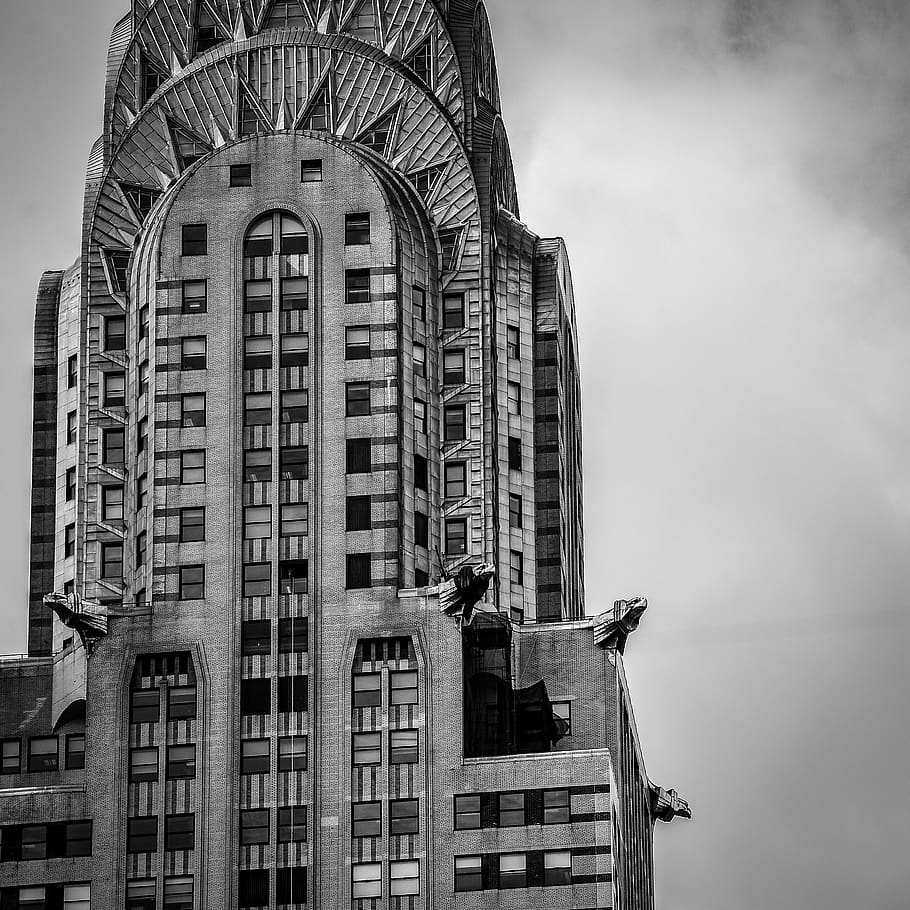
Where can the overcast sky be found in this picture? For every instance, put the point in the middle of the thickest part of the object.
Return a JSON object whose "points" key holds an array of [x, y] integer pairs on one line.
{"points": [[733, 181]]}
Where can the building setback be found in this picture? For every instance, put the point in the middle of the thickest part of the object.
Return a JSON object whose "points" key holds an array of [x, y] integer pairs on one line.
{"points": [[307, 621]]}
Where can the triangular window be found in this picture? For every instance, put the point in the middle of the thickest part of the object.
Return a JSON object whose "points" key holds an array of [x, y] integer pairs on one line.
{"points": [[142, 199], [318, 113], [362, 23], [251, 121], [286, 14], [426, 181], [380, 134], [188, 147], [420, 62], [208, 31], [450, 242], [151, 78], [118, 262]]}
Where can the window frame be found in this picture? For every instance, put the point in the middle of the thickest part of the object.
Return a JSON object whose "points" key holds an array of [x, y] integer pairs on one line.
{"points": [[512, 816], [191, 589], [192, 474], [194, 239]]}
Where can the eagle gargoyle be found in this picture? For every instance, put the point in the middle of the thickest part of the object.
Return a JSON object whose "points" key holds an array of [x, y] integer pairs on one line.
{"points": [[667, 805], [613, 629], [87, 618], [461, 594]]}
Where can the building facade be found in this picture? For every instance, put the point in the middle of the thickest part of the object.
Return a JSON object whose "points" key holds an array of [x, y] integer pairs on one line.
{"points": [[307, 622]]}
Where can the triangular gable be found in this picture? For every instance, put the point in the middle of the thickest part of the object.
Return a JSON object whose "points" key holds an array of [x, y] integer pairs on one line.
{"points": [[152, 75], [450, 245], [420, 61], [427, 180], [380, 135], [188, 146], [253, 117], [317, 115]]}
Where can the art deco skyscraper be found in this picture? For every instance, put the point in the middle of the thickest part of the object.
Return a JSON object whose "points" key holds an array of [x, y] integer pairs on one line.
{"points": [[307, 483]]}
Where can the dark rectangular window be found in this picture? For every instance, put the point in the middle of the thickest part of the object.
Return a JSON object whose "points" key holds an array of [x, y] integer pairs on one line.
{"points": [[295, 350], [359, 574], [295, 520], [357, 286], [469, 873], [467, 812], [514, 453], [178, 893], [419, 356], [143, 323], [69, 541], [357, 399], [141, 894], [516, 510], [359, 456], [513, 870], [193, 353], [292, 694], [77, 838], [112, 503], [142, 491], [367, 690], [112, 561], [192, 410], [403, 747], [557, 867], [33, 842], [115, 333], [295, 293], [514, 399], [295, 406], [420, 473], [192, 466], [181, 761], [290, 886], [194, 296], [357, 229], [366, 820], [311, 170], [257, 352], [512, 810], [142, 834], [454, 423], [145, 706], [421, 530], [453, 370], [256, 637], [254, 826], [456, 480], [114, 390], [403, 818], [192, 525], [254, 756], [71, 428], [241, 175], [358, 513], [181, 702], [257, 295], [292, 753], [295, 463], [453, 311], [253, 888], [42, 754], [419, 303], [420, 416], [255, 696], [556, 807], [70, 484], [292, 825], [144, 764], [179, 832], [367, 749], [195, 240], [456, 536], [72, 371], [357, 343], [513, 343], [192, 582], [257, 466], [293, 635], [10, 756], [517, 568], [257, 409], [293, 576]]}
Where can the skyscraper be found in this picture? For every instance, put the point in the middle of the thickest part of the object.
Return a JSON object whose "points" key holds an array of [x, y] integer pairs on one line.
{"points": [[307, 497]]}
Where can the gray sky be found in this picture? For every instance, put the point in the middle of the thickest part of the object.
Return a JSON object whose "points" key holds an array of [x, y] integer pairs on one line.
{"points": [[734, 184]]}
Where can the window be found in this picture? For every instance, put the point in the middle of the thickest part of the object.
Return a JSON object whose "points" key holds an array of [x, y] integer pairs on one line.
{"points": [[421, 530], [179, 832], [453, 368], [142, 491], [293, 576], [357, 397], [367, 749], [257, 295], [112, 503], [294, 240], [178, 893], [358, 513], [115, 333], [257, 466], [257, 409], [455, 426], [69, 541], [403, 817], [453, 311], [366, 880], [143, 323], [403, 747], [78, 837], [359, 572], [142, 834], [141, 549], [557, 867], [366, 820], [71, 428], [254, 756], [405, 877], [420, 417], [295, 293], [357, 343], [33, 842], [195, 297], [195, 239], [295, 520], [357, 229], [421, 473], [467, 812], [419, 303], [513, 870], [140, 894], [456, 480], [241, 175], [295, 463], [359, 456], [357, 286], [112, 561], [181, 702], [192, 410], [420, 361], [517, 568], [514, 402], [562, 711], [311, 170], [514, 453], [293, 635], [516, 508], [292, 694], [291, 885], [192, 525], [145, 706], [255, 697], [295, 406], [32, 898], [512, 810], [181, 762], [468, 873], [72, 371], [292, 824], [10, 756], [257, 579], [256, 637], [292, 753], [70, 484], [144, 384], [257, 352], [254, 826], [456, 537], [257, 523], [192, 582], [556, 807], [143, 764], [114, 395], [193, 353], [403, 687], [367, 690], [192, 466], [513, 343], [295, 350]]}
